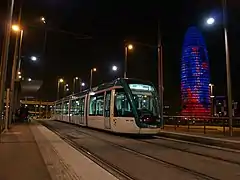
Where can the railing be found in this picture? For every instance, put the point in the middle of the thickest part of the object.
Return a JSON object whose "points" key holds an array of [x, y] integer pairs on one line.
{"points": [[201, 125]]}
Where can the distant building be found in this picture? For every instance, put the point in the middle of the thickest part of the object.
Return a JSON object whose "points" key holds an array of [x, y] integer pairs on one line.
{"points": [[220, 107], [166, 110], [195, 91]]}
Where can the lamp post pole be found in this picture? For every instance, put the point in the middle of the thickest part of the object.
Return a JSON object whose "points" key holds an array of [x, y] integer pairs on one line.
{"points": [[80, 84], [91, 74], [19, 53], [160, 74], [125, 61], [229, 89], [91, 77], [4, 59], [74, 82], [58, 89], [14, 68]]}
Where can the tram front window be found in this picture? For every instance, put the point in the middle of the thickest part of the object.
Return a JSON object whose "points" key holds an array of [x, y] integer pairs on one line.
{"points": [[146, 102], [122, 106]]}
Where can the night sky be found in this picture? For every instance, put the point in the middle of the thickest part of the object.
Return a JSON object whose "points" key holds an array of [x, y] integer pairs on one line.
{"points": [[112, 22]]}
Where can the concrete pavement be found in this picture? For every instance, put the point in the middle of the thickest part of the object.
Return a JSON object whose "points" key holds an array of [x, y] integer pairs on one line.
{"points": [[32, 152], [20, 157]]}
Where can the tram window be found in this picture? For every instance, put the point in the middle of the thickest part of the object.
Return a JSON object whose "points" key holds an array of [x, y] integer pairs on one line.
{"points": [[99, 104], [82, 106], [96, 105], [58, 109], [107, 104], [65, 107], [122, 107], [92, 106], [75, 107]]}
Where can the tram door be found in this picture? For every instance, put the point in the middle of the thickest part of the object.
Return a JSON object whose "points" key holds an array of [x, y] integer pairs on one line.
{"points": [[107, 107]]}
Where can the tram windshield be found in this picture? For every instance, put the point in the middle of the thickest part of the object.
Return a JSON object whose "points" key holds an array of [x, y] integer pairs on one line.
{"points": [[145, 98]]}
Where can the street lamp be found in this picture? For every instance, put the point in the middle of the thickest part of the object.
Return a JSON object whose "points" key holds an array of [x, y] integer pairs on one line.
{"points": [[127, 48], [130, 46], [74, 83], [15, 28], [91, 74], [43, 19], [210, 21], [114, 68], [66, 89], [33, 58], [60, 81]]}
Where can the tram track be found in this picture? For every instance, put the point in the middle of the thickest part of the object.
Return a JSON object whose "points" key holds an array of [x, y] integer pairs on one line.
{"points": [[111, 168], [190, 151], [132, 151], [198, 144]]}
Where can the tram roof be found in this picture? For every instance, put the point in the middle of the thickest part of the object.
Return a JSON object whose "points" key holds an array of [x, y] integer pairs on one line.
{"points": [[116, 82], [119, 82]]}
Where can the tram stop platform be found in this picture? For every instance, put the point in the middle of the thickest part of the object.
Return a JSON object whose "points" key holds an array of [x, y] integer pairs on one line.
{"points": [[32, 152]]}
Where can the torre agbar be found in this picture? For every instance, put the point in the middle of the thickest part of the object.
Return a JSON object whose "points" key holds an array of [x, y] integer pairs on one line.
{"points": [[195, 90]]}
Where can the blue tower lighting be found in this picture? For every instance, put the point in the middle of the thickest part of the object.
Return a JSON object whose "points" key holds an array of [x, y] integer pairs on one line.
{"points": [[195, 91]]}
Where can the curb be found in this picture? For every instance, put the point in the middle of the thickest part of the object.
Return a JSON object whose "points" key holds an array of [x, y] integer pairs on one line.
{"points": [[224, 143]]}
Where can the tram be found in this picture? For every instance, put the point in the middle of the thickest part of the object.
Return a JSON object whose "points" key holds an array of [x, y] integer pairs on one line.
{"points": [[122, 106]]}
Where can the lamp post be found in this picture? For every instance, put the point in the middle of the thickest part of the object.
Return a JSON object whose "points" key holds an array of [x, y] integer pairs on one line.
{"points": [[19, 52], [43, 20], [159, 69], [82, 85], [66, 89], [4, 58], [127, 48], [18, 31], [74, 84], [160, 73], [229, 86], [211, 21], [58, 87], [91, 76]]}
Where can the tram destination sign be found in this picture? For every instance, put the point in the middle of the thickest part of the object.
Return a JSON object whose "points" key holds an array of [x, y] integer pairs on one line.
{"points": [[142, 87]]}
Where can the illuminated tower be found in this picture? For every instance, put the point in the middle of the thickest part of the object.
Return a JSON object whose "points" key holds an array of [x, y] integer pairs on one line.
{"points": [[195, 91]]}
